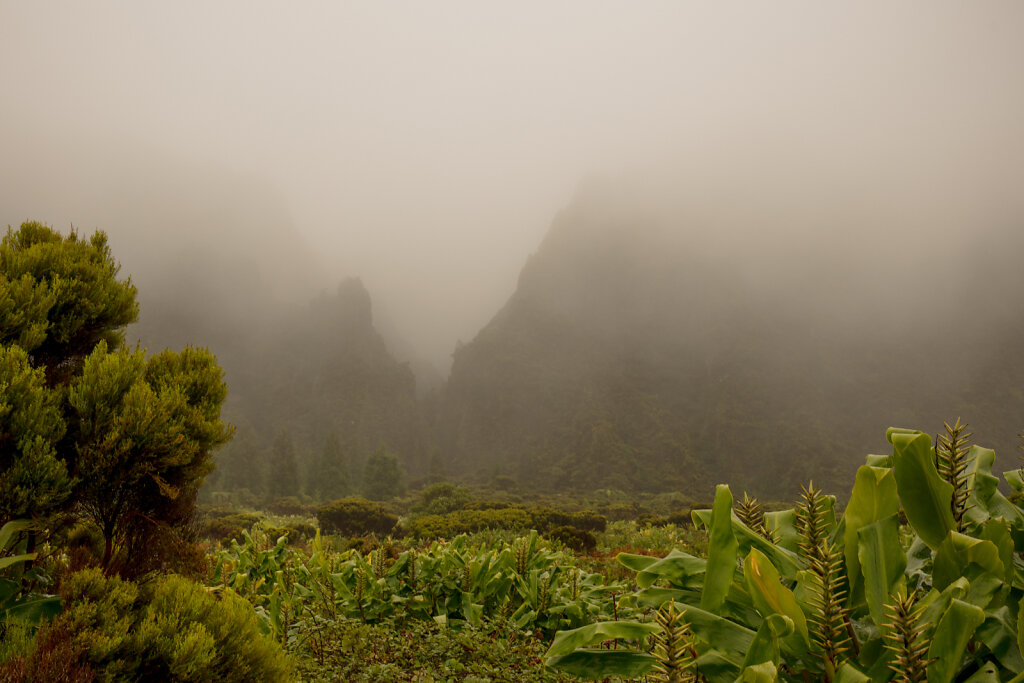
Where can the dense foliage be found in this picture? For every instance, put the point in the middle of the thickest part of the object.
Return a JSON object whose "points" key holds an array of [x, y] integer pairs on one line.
{"points": [[103, 451], [170, 629], [355, 517], [90, 428], [807, 593]]}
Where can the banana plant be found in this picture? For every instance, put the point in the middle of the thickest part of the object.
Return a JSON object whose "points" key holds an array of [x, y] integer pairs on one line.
{"points": [[809, 594], [17, 606], [294, 591]]}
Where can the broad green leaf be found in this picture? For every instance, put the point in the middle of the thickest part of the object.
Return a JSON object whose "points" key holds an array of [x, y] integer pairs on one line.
{"points": [[785, 560], [878, 460], [717, 631], [848, 673], [765, 672], [656, 597], [1020, 632], [782, 524], [565, 642], [935, 602], [874, 497], [998, 532], [882, 562], [986, 674], [766, 644], [771, 597], [718, 667], [33, 609], [1015, 478], [925, 495], [600, 664], [999, 633], [721, 563], [6, 562], [957, 552], [8, 589], [985, 500], [893, 432], [952, 633], [8, 530], [637, 563], [680, 569]]}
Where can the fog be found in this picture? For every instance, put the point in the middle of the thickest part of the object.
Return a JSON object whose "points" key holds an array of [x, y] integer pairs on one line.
{"points": [[427, 147]]}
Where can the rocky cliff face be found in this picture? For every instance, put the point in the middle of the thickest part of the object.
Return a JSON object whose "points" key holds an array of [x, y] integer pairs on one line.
{"points": [[634, 358], [323, 369]]}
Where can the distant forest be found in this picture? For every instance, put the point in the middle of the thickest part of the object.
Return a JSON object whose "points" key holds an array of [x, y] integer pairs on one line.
{"points": [[628, 358]]}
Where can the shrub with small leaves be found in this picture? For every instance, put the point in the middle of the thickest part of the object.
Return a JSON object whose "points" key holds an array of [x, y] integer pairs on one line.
{"points": [[170, 629], [355, 517]]}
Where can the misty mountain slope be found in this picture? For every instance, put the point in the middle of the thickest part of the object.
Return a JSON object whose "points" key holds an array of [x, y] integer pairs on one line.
{"points": [[633, 357], [320, 369]]}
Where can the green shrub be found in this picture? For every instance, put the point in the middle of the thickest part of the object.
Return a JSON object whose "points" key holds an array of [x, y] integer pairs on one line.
{"points": [[503, 482], [545, 519], [681, 518], [230, 527], [355, 517], [575, 539], [362, 545], [469, 521], [489, 504], [301, 530], [422, 650], [620, 512], [474, 519], [442, 498], [52, 656], [588, 520], [650, 519], [289, 505], [216, 511], [169, 630]]}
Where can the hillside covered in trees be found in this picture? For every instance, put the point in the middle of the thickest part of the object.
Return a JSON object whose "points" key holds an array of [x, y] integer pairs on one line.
{"points": [[631, 356]]}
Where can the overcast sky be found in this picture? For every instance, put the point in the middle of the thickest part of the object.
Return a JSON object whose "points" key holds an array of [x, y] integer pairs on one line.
{"points": [[426, 146]]}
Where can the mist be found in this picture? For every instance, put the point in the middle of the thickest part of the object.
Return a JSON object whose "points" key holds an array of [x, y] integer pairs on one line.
{"points": [[427, 148]]}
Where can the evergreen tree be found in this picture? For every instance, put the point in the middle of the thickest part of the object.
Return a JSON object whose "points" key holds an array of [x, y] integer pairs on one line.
{"points": [[437, 472], [239, 466], [139, 432], [329, 478], [284, 468], [33, 480], [382, 476], [143, 433], [60, 297]]}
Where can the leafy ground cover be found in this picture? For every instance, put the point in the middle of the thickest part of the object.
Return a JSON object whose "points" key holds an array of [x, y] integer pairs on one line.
{"points": [[481, 606]]}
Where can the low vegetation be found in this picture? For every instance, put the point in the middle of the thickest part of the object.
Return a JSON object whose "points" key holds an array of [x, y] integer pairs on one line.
{"points": [[109, 571]]}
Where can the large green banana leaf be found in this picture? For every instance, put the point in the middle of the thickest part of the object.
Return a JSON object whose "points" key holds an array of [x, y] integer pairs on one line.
{"points": [[925, 495], [722, 547]]}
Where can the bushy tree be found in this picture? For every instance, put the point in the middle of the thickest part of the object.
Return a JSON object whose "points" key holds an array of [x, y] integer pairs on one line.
{"points": [[33, 480], [284, 469], [382, 476], [144, 432], [169, 629], [355, 517], [239, 465], [139, 432], [60, 297]]}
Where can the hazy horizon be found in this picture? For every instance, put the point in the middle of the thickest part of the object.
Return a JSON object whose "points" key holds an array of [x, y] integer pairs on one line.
{"points": [[427, 148]]}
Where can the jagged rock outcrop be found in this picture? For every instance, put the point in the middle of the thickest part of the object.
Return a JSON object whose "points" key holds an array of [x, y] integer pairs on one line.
{"points": [[637, 358]]}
